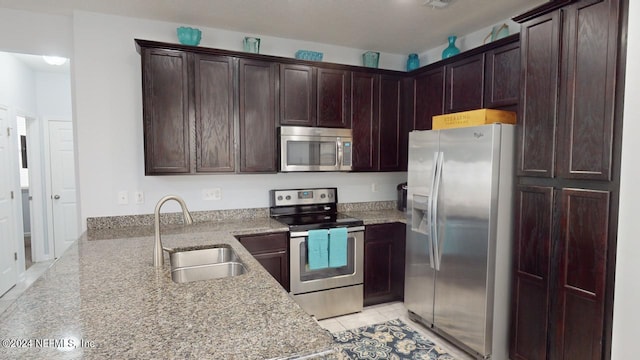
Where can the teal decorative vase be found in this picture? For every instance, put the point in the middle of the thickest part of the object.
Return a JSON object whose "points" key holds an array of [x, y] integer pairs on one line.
{"points": [[451, 49], [413, 62]]}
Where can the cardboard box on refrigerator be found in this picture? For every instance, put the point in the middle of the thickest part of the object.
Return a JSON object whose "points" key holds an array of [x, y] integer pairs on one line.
{"points": [[473, 118]]}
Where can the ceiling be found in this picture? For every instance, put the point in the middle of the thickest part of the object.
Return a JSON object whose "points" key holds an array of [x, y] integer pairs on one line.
{"points": [[392, 26]]}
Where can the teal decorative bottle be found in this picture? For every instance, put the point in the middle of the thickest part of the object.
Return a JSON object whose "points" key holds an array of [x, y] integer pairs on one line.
{"points": [[413, 62], [451, 49]]}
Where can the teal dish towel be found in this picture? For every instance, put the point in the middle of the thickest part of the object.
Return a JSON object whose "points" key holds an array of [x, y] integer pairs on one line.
{"points": [[338, 247], [318, 249]]}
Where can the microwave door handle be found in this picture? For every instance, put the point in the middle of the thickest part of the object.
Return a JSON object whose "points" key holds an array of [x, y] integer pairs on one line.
{"points": [[340, 152]]}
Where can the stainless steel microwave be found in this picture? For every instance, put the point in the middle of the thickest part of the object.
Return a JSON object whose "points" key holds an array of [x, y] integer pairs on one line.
{"points": [[314, 149]]}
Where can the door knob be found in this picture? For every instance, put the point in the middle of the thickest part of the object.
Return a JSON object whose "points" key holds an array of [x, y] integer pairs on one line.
{"points": [[56, 197]]}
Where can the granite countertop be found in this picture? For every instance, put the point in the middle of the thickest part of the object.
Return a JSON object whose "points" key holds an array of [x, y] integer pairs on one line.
{"points": [[372, 217], [104, 299]]}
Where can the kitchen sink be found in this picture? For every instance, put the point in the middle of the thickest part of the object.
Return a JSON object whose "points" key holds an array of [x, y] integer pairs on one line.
{"points": [[215, 262]]}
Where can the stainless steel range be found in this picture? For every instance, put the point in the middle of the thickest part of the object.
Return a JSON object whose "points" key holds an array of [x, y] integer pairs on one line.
{"points": [[329, 289]]}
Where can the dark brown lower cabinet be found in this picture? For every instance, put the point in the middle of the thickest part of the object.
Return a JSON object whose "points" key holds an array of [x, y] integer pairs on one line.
{"points": [[579, 291], [272, 252], [384, 246], [533, 219], [561, 244]]}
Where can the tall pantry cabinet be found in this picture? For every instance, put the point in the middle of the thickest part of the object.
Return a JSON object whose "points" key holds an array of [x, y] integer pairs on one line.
{"points": [[572, 56]]}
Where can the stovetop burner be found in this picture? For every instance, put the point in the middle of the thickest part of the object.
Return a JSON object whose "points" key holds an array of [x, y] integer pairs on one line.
{"points": [[308, 209], [303, 222]]}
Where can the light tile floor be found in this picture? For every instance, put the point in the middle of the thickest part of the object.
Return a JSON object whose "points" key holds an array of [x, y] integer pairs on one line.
{"points": [[30, 276], [380, 313]]}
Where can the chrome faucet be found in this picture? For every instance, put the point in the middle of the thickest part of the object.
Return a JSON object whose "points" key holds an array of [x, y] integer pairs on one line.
{"points": [[158, 258]]}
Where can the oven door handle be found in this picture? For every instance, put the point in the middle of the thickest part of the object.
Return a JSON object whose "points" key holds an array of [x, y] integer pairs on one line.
{"points": [[306, 233]]}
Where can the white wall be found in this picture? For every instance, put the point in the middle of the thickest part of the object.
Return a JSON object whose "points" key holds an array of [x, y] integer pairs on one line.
{"points": [[53, 95], [466, 42], [35, 33], [17, 86], [626, 316]]}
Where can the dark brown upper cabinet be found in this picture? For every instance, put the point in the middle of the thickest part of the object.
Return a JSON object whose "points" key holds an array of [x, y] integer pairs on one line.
{"points": [[484, 77], [393, 133], [428, 93], [364, 121], [333, 91], [165, 101], [587, 91], [570, 75], [464, 84], [207, 112], [377, 122], [297, 95], [540, 44], [257, 116], [214, 96], [314, 96], [502, 76]]}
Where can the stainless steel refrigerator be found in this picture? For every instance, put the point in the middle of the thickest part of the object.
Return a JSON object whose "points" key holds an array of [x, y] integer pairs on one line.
{"points": [[459, 234]]}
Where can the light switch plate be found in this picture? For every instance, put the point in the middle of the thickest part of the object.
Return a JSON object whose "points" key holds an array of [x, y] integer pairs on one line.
{"points": [[138, 197]]}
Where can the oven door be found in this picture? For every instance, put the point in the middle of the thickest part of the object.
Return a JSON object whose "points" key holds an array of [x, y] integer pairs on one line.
{"points": [[304, 280]]}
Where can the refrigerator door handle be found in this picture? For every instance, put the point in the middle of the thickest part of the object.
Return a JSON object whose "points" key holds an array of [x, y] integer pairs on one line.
{"points": [[430, 244], [437, 254]]}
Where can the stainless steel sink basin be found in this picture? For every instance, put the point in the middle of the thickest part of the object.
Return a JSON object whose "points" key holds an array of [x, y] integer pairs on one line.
{"points": [[215, 262]]}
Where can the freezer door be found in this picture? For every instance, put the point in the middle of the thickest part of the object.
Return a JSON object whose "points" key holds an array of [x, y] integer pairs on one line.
{"points": [[467, 188], [419, 263]]}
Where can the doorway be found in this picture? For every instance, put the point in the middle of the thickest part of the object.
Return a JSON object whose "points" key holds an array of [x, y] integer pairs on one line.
{"points": [[37, 98]]}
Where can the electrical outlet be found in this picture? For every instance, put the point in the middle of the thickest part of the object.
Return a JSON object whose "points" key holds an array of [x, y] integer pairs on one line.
{"points": [[211, 194], [374, 187], [123, 197], [139, 197]]}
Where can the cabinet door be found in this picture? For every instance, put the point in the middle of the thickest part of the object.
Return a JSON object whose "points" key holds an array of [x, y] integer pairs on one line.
{"points": [[587, 90], [272, 252], [393, 134], [214, 113], [540, 41], [297, 95], [428, 93], [578, 310], [530, 294], [333, 102], [502, 76], [384, 263], [257, 116], [464, 84], [364, 121], [165, 99], [277, 264]]}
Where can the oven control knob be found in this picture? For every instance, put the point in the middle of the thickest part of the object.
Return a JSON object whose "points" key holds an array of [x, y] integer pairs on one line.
{"points": [[288, 197], [322, 196], [280, 197], [330, 195]]}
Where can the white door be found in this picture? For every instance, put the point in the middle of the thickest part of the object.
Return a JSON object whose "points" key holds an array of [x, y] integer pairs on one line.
{"points": [[8, 271], [63, 185]]}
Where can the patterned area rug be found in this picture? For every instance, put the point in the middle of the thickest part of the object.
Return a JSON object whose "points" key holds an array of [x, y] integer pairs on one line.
{"points": [[390, 340]]}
